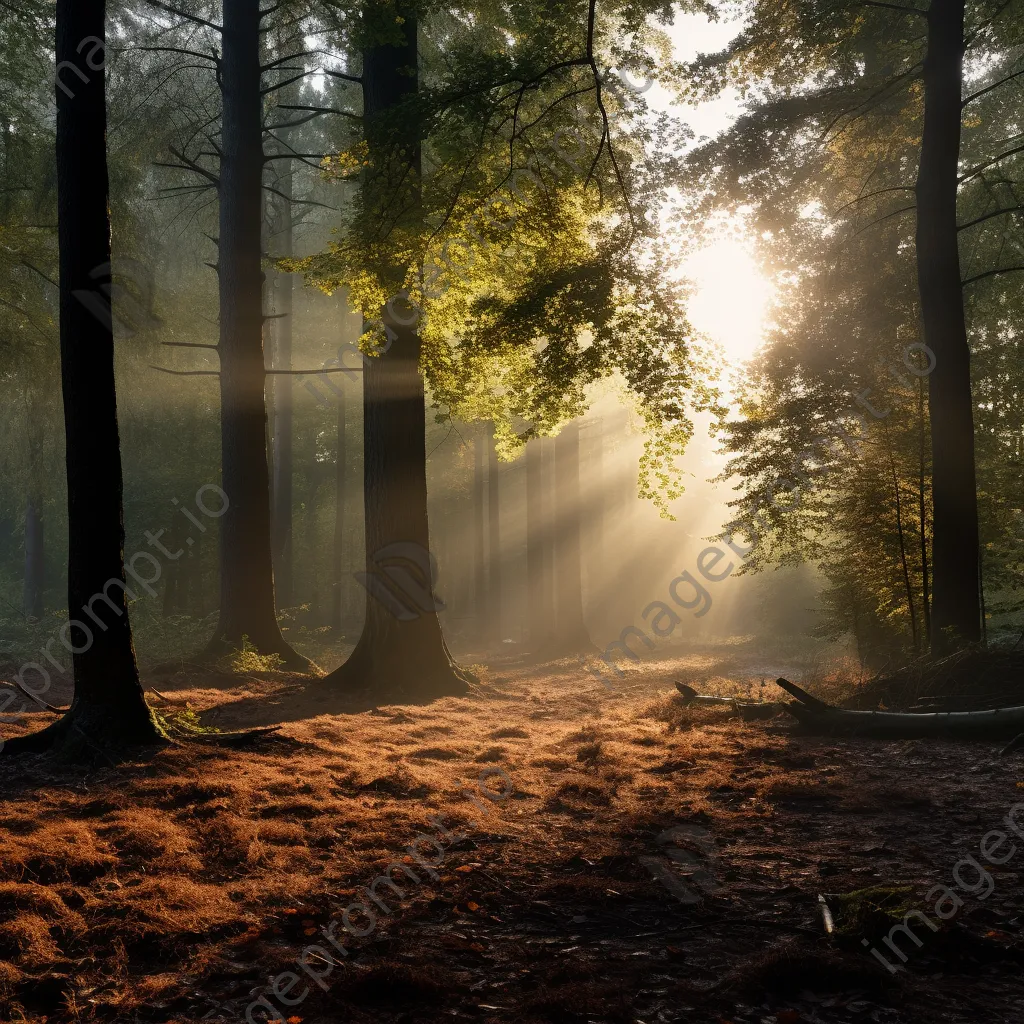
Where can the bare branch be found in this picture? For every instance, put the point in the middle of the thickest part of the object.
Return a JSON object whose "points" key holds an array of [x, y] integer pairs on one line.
{"points": [[322, 110], [284, 60], [184, 14], [991, 273], [988, 216], [974, 171], [280, 85], [177, 49], [892, 7], [342, 75], [316, 373], [869, 195], [186, 373], [989, 88]]}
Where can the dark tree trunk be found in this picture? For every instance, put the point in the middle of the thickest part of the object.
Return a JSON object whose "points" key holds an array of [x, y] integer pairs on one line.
{"points": [[340, 470], [955, 611], [247, 604], [494, 599], [904, 564], [401, 651], [922, 510], [572, 632], [479, 532], [109, 710]]}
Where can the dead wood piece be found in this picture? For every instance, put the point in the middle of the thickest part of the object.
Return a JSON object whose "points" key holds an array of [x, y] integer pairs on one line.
{"points": [[35, 698], [1015, 744], [817, 717], [802, 695], [748, 710]]}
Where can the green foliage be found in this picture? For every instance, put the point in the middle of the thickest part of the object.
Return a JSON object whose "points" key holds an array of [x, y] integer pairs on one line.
{"points": [[524, 240], [821, 167], [249, 660]]}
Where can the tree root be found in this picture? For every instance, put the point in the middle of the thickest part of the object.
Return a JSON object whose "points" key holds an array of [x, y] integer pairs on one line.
{"points": [[196, 734], [88, 734]]}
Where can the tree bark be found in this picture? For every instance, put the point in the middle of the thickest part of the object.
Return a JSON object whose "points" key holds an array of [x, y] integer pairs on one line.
{"points": [[922, 511], [109, 710], [494, 597], [340, 470], [401, 651], [904, 564], [247, 602], [955, 611]]}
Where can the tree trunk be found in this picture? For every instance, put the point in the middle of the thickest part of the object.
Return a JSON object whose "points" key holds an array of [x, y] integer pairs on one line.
{"points": [[340, 470], [955, 613], [479, 533], [494, 601], [908, 587], [922, 511], [247, 604], [572, 635], [109, 710], [401, 651]]}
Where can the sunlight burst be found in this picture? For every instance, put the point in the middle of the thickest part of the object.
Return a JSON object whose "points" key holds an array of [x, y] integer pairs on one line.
{"points": [[730, 298]]}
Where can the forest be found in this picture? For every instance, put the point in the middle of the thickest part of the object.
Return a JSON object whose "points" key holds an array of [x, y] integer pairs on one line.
{"points": [[512, 512]]}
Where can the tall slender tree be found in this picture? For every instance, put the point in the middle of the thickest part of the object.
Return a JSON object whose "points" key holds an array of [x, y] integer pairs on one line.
{"points": [[401, 649], [247, 601], [109, 711], [479, 528], [956, 597]]}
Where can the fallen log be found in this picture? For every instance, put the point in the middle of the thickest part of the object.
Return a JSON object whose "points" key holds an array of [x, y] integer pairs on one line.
{"points": [[749, 711], [815, 716]]}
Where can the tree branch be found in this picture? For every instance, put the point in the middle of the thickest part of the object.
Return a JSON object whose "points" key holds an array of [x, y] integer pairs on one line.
{"points": [[186, 373], [184, 14], [344, 77], [316, 373], [190, 165], [974, 171], [990, 273], [322, 110], [280, 85], [989, 88], [891, 7], [988, 216], [177, 49]]}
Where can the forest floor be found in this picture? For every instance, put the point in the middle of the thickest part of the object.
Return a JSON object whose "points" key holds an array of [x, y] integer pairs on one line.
{"points": [[640, 862]]}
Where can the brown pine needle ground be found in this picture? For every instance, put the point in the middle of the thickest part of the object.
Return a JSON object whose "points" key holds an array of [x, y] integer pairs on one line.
{"points": [[175, 890]]}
